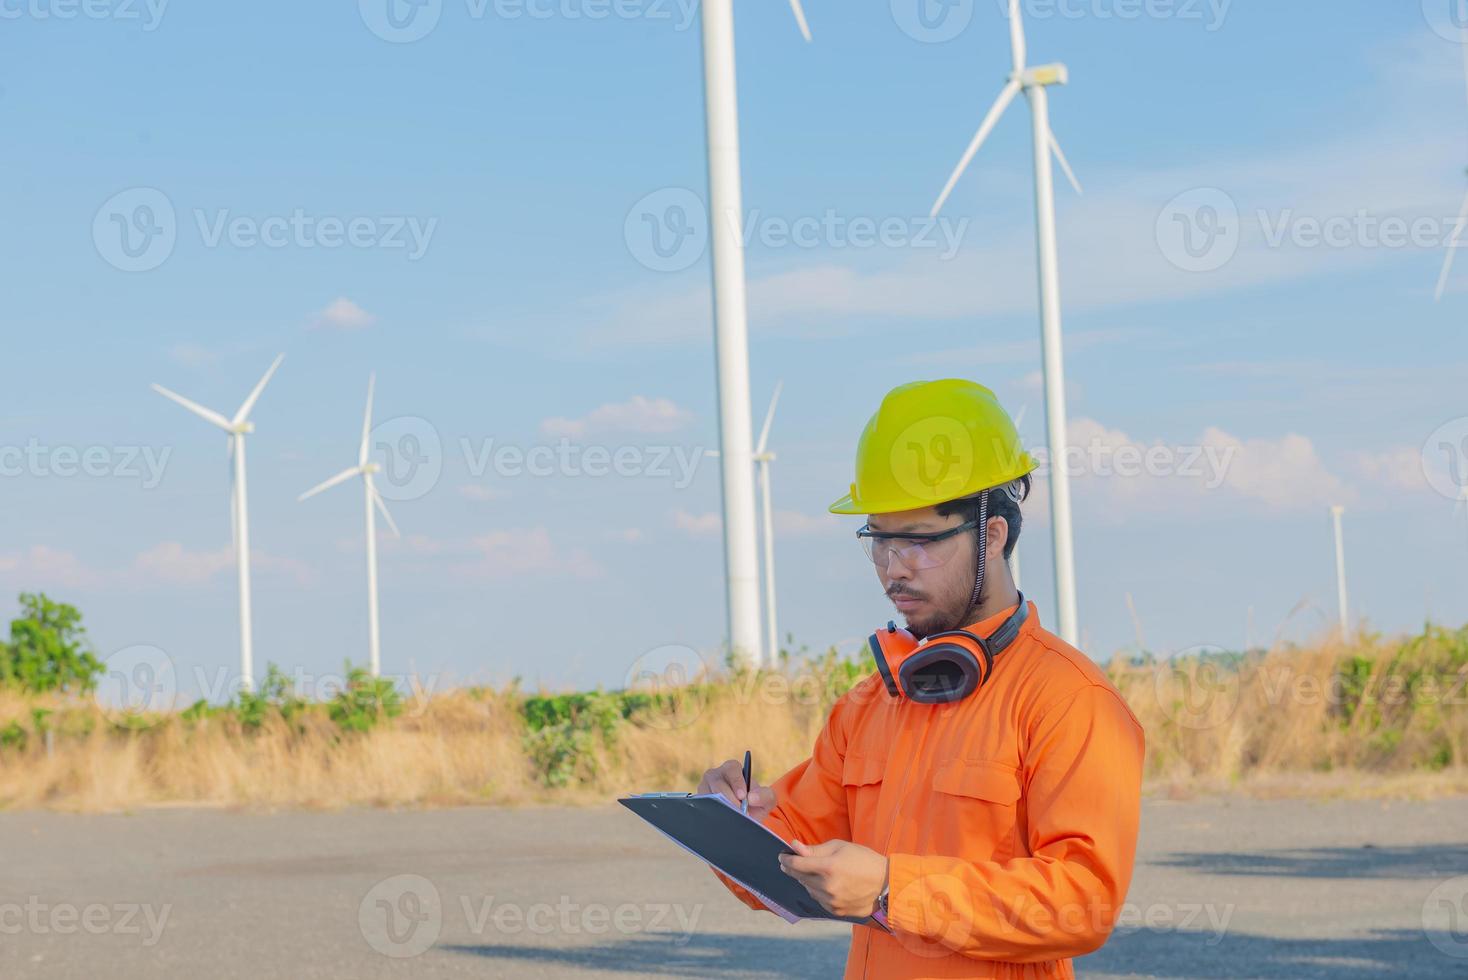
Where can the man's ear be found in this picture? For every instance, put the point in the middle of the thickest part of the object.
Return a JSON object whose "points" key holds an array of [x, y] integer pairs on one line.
{"points": [[998, 531]]}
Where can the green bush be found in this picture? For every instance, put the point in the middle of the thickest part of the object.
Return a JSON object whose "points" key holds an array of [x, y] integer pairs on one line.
{"points": [[365, 701], [48, 649]]}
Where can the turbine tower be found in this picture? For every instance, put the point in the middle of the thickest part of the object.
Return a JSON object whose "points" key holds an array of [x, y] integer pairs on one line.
{"points": [[373, 500], [1340, 570], [1462, 223], [762, 460], [1034, 82], [731, 327], [236, 428]]}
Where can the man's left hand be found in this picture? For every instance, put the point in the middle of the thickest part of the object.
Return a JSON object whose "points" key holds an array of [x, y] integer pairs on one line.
{"points": [[845, 878]]}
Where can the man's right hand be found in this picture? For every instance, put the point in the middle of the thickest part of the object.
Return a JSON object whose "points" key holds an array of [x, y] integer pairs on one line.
{"points": [[728, 780]]}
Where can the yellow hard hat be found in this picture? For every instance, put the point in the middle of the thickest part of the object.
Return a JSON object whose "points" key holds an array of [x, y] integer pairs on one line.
{"points": [[933, 441]]}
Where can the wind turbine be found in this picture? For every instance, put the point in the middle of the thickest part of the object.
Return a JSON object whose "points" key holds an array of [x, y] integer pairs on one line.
{"points": [[237, 428], [1462, 223], [762, 460], [1034, 82], [731, 327], [365, 468], [1340, 569]]}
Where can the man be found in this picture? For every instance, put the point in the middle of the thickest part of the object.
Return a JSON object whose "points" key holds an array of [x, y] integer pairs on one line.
{"points": [[979, 798]]}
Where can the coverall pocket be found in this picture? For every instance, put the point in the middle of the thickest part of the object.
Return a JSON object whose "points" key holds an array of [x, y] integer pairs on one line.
{"points": [[861, 778], [976, 801]]}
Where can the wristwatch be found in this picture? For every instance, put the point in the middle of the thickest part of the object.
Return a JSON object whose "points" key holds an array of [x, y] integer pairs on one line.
{"points": [[882, 902]]}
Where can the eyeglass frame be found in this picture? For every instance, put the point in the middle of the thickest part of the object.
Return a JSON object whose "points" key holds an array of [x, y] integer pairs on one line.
{"points": [[865, 531]]}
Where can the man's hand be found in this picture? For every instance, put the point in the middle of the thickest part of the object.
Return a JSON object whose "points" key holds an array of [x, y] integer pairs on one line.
{"points": [[728, 779], [845, 878]]}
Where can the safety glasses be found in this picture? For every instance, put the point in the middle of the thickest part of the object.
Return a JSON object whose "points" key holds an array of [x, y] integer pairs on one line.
{"points": [[913, 550]]}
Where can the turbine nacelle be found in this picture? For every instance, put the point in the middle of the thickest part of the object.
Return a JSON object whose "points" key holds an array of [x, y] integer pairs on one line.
{"points": [[1042, 75]]}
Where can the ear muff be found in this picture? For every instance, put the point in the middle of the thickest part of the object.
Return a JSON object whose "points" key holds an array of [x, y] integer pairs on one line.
{"points": [[943, 667]]}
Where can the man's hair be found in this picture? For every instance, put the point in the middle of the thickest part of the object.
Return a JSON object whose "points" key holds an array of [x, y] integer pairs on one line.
{"points": [[1001, 504]]}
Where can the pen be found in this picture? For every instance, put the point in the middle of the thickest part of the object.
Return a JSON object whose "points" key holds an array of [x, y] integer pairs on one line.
{"points": [[744, 805]]}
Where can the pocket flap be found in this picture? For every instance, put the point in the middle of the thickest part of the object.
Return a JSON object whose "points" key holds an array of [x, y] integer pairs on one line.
{"points": [[991, 781], [862, 770]]}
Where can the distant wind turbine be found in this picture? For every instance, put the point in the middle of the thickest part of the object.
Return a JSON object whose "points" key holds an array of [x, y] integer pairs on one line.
{"points": [[236, 427], [762, 460], [1340, 569], [1462, 222], [731, 326], [1034, 83], [365, 468]]}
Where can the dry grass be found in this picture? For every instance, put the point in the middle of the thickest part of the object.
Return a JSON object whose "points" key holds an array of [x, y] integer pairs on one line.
{"points": [[1374, 719]]}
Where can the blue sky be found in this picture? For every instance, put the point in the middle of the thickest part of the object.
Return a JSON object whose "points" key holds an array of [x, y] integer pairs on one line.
{"points": [[524, 143]]}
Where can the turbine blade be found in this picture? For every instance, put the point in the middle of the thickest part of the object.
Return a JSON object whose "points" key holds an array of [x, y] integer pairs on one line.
{"points": [[382, 508], [800, 18], [366, 421], [244, 411], [764, 433], [207, 414], [1019, 417], [1006, 96], [1070, 174], [1017, 36], [1442, 279], [327, 484]]}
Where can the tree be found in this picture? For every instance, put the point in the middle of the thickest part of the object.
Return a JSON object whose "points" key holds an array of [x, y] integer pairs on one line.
{"points": [[48, 648]]}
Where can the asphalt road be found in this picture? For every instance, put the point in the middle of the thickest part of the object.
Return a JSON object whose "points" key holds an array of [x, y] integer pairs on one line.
{"points": [[1228, 888]]}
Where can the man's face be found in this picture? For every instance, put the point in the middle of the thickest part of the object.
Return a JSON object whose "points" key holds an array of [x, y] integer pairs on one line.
{"points": [[931, 599]]}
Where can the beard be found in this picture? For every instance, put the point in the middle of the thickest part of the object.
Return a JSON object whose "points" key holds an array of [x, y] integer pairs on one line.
{"points": [[943, 617]]}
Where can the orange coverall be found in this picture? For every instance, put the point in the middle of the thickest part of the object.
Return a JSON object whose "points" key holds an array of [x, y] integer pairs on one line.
{"points": [[1009, 819]]}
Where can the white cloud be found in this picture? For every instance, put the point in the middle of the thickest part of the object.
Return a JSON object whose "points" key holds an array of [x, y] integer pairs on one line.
{"points": [[629, 535], [193, 355], [637, 414], [790, 523], [42, 566], [170, 563], [517, 552], [1111, 251], [1394, 469], [343, 314], [1118, 476], [482, 493], [698, 525]]}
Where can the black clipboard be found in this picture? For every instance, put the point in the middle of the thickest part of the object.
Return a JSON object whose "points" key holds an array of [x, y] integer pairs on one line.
{"points": [[710, 828]]}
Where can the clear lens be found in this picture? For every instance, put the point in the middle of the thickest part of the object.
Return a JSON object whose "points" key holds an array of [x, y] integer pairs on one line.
{"points": [[913, 554]]}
